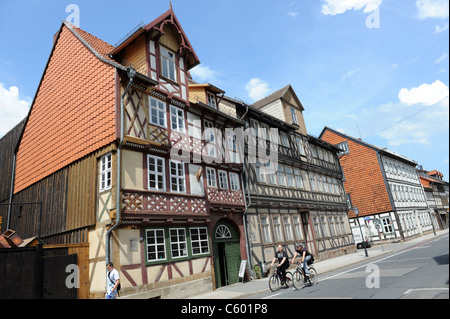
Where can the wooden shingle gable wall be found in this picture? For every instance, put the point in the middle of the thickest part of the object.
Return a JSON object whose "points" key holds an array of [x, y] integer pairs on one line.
{"points": [[73, 113]]}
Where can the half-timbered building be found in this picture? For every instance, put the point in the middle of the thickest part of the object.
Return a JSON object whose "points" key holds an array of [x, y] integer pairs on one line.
{"points": [[113, 146], [300, 196], [384, 187]]}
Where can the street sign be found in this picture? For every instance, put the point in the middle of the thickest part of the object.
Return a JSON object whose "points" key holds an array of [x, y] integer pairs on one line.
{"points": [[242, 269]]}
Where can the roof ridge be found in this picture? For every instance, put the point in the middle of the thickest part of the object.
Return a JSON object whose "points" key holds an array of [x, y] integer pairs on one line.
{"points": [[270, 97]]}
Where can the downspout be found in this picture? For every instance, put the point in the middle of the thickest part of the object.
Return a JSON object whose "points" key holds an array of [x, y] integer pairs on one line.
{"points": [[244, 216], [131, 74], [13, 176]]}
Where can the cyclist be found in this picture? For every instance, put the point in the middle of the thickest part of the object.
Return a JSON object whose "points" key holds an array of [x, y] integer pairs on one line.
{"points": [[283, 262], [306, 257]]}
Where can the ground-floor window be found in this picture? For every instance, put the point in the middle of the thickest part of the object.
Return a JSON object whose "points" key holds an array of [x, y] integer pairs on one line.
{"points": [[168, 244]]}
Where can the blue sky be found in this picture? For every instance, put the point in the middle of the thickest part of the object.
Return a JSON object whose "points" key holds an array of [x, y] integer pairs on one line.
{"points": [[374, 69]]}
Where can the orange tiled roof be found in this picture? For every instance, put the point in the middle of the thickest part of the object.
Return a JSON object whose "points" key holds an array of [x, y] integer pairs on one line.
{"points": [[73, 113]]}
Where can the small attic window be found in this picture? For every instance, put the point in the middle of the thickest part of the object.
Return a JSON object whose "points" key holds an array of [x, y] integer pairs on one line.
{"points": [[168, 66], [211, 100], [294, 116]]}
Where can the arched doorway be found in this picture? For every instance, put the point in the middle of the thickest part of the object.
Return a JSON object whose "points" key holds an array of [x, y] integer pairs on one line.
{"points": [[226, 252]]}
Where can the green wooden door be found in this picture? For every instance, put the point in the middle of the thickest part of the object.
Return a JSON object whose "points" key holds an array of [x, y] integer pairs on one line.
{"points": [[227, 253]]}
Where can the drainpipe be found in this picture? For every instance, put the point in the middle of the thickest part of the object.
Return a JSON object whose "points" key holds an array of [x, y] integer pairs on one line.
{"points": [[13, 171], [131, 74]]}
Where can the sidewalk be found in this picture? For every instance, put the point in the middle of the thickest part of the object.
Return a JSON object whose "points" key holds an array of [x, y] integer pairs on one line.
{"points": [[247, 289]]}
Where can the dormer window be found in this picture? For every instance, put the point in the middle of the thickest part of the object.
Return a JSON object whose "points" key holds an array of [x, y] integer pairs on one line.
{"points": [[211, 100], [168, 66]]}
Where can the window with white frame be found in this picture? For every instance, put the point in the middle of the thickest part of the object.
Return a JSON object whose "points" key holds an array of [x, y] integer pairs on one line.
{"points": [[277, 229], [298, 178], [284, 139], [316, 227], [223, 180], [344, 148], [156, 248], [156, 173], [294, 115], [281, 176], [234, 182], [168, 65], [157, 112], [177, 177], [211, 177], [211, 100], [178, 242], [289, 176], [210, 137], [287, 228], [232, 146], [300, 146], [199, 240], [388, 227], [265, 228], [105, 172], [323, 223], [177, 119], [297, 228]]}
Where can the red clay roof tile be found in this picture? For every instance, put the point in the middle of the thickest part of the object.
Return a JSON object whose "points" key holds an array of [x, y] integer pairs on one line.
{"points": [[77, 92]]}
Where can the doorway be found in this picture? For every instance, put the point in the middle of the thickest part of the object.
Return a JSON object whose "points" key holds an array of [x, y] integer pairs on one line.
{"points": [[227, 253]]}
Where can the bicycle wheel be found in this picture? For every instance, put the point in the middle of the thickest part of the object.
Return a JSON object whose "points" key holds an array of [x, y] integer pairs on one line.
{"points": [[288, 281], [297, 279], [313, 278], [274, 283]]}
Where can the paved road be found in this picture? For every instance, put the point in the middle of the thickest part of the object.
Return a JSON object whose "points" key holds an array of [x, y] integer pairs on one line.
{"points": [[417, 272]]}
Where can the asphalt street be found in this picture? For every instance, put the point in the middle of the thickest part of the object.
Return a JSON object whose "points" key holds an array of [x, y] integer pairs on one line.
{"points": [[417, 272]]}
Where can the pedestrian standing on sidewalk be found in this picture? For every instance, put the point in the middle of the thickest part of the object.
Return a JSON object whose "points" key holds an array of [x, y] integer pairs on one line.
{"points": [[305, 255], [112, 281]]}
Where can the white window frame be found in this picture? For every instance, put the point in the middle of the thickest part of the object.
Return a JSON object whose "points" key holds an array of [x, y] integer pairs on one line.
{"points": [[159, 176], [234, 182], [265, 228], [160, 109], [294, 115], [180, 178], [156, 245], [178, 245], [105, 172], [200, 243], [223, 179], [211, 99], [168, 63], [210, 138], [211, 178], [287, 228], [177, 121]]}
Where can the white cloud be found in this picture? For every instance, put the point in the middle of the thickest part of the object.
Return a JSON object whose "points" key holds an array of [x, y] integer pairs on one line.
{"points": [[426, 94], [12, 108], [333, 7], [439, 29], [443, 57], [257, 89], [292, 14], [203, 74], [432, 9], [350, 73]]}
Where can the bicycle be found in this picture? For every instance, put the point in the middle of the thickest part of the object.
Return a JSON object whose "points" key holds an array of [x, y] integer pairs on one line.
{"points": [[298, 277], [275, 281]]}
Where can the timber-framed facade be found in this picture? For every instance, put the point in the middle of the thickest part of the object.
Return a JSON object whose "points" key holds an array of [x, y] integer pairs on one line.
{"points": [[303, 200]]}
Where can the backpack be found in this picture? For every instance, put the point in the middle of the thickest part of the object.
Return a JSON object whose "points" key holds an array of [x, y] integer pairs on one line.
{"points": [[311, 260]]}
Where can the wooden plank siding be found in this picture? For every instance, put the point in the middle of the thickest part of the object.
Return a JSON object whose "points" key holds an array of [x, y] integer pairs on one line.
{"points": [[69, 203], [134, 55], [7, 146]]}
